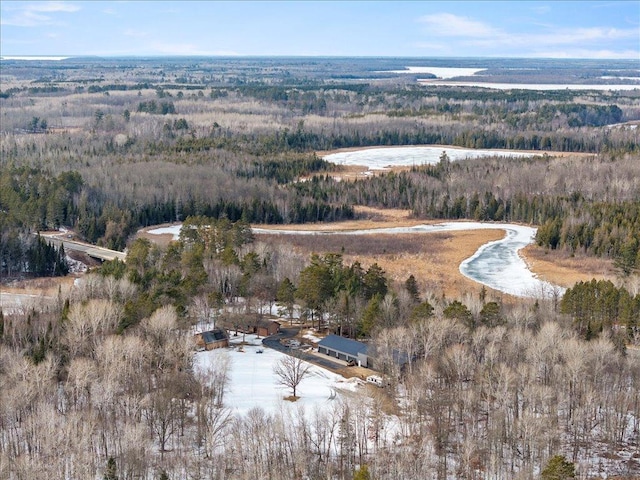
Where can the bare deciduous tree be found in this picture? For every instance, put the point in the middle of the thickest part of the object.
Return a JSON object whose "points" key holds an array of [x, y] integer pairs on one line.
{"points": [[290, 371]]}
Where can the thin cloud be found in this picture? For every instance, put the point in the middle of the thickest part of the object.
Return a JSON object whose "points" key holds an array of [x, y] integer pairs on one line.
{"points": [[585, 53], [52, 7], [541, 9], [130, 32], [34, 14], [450, 25], [557, 36], [464, 33], [440, 47]]}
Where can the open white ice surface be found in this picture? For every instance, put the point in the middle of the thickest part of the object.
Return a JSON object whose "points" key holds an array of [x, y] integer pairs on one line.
{"points": [[252, 382], [381, 158], [499, 266], [440, 72], [173, 230]]}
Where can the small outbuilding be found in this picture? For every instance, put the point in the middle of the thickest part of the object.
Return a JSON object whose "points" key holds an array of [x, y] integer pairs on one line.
{"points": [[216, 338], [344, 349], [264, 328]]}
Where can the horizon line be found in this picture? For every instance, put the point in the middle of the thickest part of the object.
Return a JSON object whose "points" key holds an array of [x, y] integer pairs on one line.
{"points": [[61, 57]]}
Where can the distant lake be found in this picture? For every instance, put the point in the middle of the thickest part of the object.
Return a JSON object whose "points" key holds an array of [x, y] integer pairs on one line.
{"points": [[381, 158], [528, 86], [440, 72]]}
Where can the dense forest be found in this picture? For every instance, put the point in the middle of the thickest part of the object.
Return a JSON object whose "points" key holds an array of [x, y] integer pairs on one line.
{"points": [[495, 387], [494, 390], [236, 151]]}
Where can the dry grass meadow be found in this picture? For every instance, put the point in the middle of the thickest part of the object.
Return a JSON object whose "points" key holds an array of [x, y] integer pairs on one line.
{"points": [[433, 258]]}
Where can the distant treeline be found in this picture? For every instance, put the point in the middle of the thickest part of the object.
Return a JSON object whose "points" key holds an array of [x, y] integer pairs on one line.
{"points": [[307, 140], [569, 222]]}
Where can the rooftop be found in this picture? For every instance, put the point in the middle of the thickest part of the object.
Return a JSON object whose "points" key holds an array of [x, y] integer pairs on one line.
{"points": [[341, 344]]}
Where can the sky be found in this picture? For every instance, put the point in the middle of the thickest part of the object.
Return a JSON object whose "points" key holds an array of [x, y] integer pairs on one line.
{"points": [[536, 29]]}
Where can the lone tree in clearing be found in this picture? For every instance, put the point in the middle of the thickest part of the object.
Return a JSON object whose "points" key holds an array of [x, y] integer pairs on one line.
{"points": [[290, 371]]}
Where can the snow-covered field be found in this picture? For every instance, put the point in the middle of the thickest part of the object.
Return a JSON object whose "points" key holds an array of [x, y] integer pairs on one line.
{"points": [[14, 303], [381, 158], [252, 382]]}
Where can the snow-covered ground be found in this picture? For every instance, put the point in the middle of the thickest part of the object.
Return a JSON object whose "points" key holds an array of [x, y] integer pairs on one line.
{"points": [[381, 158], [15, 303], [173, 230], [252, 382], [311, 335]]}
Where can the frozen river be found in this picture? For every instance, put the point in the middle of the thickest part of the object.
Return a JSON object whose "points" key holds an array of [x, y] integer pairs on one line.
{"points": [[497, 265]]}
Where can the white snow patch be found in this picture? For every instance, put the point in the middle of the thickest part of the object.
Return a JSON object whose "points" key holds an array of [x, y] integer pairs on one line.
{"points": [[252, 382], [310, 335], [173, 230]]}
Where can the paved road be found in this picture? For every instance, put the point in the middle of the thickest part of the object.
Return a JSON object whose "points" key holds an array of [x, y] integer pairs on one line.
{"points": [[91, 250], [274, 342]]}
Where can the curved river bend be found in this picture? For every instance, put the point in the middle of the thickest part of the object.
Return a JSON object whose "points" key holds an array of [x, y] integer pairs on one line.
{"points": [[496, 264]]}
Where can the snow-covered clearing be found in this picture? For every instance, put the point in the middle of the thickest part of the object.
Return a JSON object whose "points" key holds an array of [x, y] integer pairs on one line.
{"points": [[15, 303], [310, 335], [252, 382]]}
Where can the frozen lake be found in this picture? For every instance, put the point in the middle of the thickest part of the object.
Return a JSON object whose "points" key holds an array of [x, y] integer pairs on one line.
{"points": [[440, 72], [381, 158]]}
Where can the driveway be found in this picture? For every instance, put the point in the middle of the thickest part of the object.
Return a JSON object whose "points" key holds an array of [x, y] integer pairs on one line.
{"points": [[274, 342]]}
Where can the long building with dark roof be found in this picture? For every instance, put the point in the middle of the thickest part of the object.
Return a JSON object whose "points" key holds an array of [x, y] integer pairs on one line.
{"points": [[344, 349]]}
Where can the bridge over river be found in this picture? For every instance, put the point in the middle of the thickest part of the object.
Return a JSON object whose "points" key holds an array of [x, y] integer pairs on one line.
{"points": [[93, 251]]}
